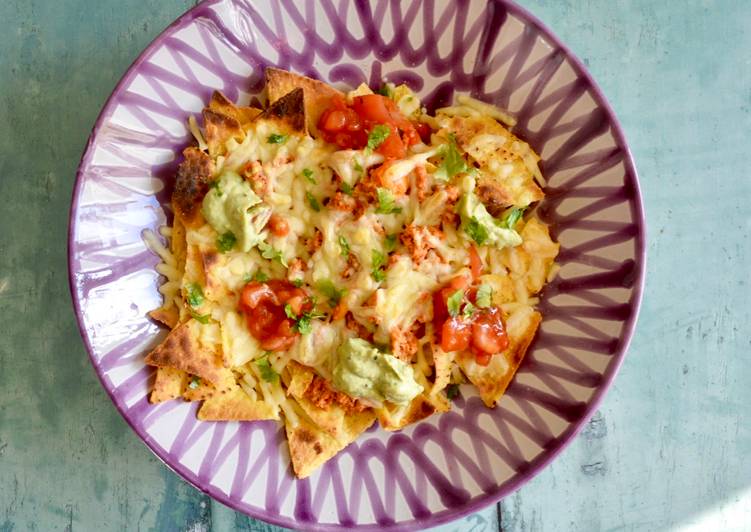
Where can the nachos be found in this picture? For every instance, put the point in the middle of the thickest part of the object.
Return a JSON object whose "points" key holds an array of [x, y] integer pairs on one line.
{"points": [[337, 258]]}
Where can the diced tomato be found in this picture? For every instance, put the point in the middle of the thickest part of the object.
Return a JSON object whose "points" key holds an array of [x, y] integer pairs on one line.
{"points": [[397, 186], [475, 262], [278, 225], [263, 306], [460, 282], [334, 120], [392, 147], [482, 358], [489, 331], [456, 334], [374, 108]]}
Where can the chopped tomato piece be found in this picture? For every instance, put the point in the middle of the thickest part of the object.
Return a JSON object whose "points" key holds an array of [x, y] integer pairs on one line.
{"points": [[374, 108], [455, 334], [392, 147], [482, 358], [263, 305], [475, 262], [278, 225], [489, 331]]}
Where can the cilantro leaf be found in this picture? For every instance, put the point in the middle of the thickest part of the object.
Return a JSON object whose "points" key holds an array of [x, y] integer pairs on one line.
{"points": [[453, 162], [452, 391], [194, 383], [344, 245], [385, 90], [386, 203], [276, 138], [511, 218], [267, 372], [377, 136], [289, 312], [226, 242], [468, 309], [379, 260], [346, 188], [389, 244], [215, 186], [476, 231], [198, 317], [313, 202], [194, 295], [358, 166], [297, 282], [259, 277], [308, 174], [484, 297], [271, 253], [327, 288], [454, 303]]}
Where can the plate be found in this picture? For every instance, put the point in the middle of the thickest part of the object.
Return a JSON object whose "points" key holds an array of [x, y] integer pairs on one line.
{"points": [[449, 465]]}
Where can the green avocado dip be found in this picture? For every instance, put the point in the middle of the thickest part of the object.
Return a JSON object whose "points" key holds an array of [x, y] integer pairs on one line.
{"points": [[232, 206], [478, 223], [361, 370]]}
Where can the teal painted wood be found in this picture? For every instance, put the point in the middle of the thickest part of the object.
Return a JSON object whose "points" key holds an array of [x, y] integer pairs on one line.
{"points": [[669, 446]]}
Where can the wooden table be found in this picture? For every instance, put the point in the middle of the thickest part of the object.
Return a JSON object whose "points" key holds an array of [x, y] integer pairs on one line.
{"points": [[669, 449]]}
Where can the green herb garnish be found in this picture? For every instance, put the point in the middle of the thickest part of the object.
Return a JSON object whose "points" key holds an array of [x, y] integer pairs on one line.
{"points": [[386, 204], [198, 317], [226, 242], [484, 297], [313, 202], [454, 303], [259, 277], [377, 136], [344, 245], [289, 312], [327, 288], [468, 309], [385, 90], [358, 166], [308, 174], [476, 231], [215, 186], [195, 295], [389, 243], [276, 138], [378, 260], [453, 162], [346, 188], [271, 253], [298, 282], [511, 218], [267, 372], [194, 383]]}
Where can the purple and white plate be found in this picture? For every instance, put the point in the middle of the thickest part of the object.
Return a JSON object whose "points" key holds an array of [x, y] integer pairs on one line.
{"points": [[450, 464]]}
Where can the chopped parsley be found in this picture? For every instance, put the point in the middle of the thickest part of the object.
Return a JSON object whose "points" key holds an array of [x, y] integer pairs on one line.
{"points": [[389, 244], [378, 260], [314, 204], [289, 312], [484, 297], [297, 282], [511, 218], [271, 253], [303, 321], [327, 288], [452, 391], [346, 188], [377, 136], [476, 231], [386, 204], [453, 162], [454, 303], [344, 246], [267, 372], [308, 174], [200, 318], [195, 295], [259, 277], [276, 138], [226, 242], [194, 383]]}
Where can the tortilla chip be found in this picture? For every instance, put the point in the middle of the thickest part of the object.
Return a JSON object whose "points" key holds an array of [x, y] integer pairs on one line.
{"points": [[168, 316], [236, 405], [178, 244], [287, 113], [168, 384], [492, 380], [317, 94], [222, 105], [193, 177], [309, 447], [215, 285], [424, 405], [198, 389], [218, 129], [334, 420], [442, 361], [183, 350]]}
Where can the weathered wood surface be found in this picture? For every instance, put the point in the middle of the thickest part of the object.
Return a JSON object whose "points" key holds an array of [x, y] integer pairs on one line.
{"points": [[669, 448]]}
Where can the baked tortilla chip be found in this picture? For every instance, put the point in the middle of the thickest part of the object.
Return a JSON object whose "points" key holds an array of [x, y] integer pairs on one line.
{"points": [[218, 129], [442, 361], [492, 380], [318, 95], [182, 350], [198, 389], [222, 105], [236, 405], [193, 177], [309, 447], [288, 113], [168, 316], [424, 405], [168, 384]]}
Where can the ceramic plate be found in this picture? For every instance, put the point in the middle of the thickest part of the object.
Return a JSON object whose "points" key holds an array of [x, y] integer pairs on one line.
{"points": [[448, 465]]}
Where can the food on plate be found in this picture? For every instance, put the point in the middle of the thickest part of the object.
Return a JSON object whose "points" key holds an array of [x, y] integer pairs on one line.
{"points": [[339, 258]]}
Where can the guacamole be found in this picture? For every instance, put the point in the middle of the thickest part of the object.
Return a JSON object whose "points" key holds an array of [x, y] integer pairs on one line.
{"points": [[479, 224], [231, 206], [362, 370]]}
